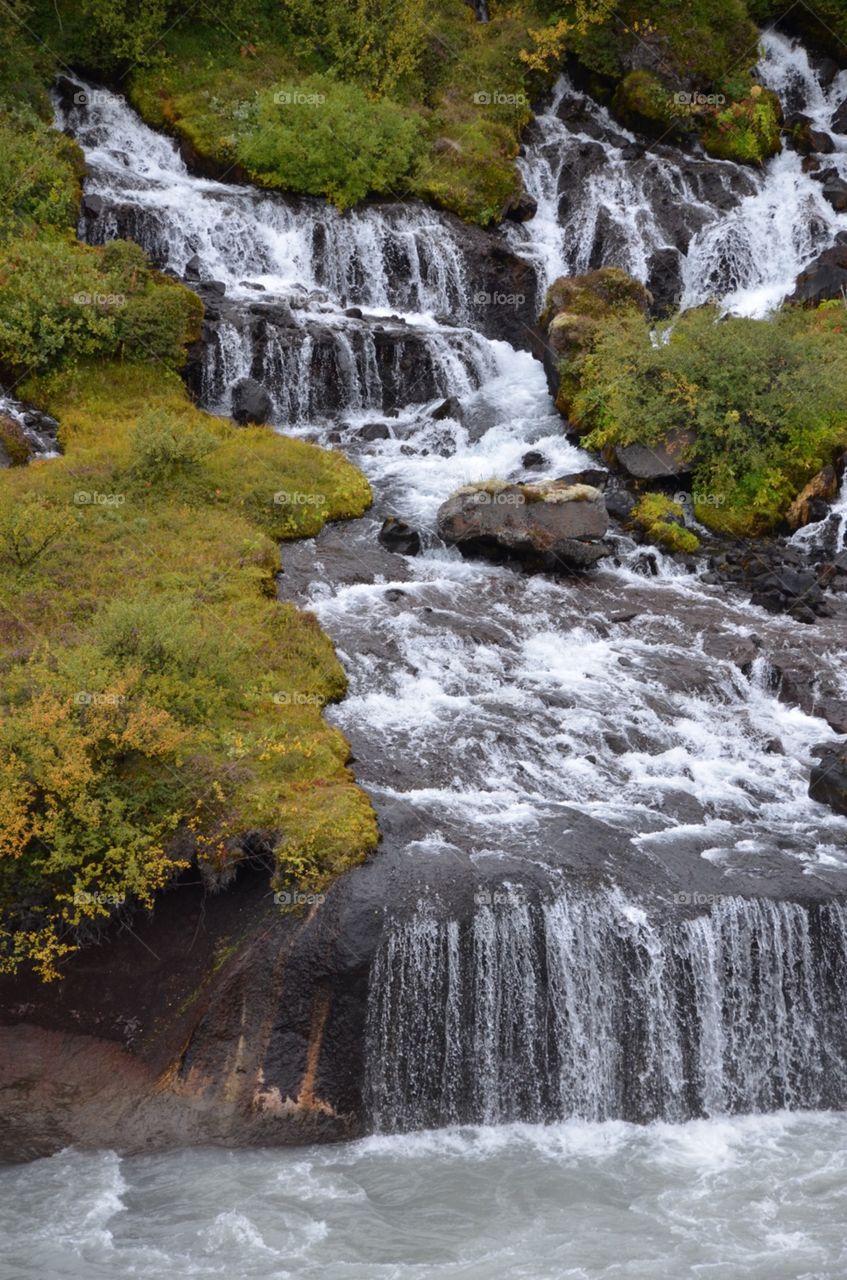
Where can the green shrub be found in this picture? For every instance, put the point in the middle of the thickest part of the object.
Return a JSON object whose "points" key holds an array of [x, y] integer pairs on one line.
{"points": [[329, 139], [40, 172], [61, 302], [379, 42], [765, 398], [747, 131], [164, 447]]}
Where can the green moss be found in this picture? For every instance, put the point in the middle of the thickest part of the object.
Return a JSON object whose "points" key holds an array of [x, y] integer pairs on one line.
{"points": [[657, 517], [642, 101], [13, 441], [747, 131]]}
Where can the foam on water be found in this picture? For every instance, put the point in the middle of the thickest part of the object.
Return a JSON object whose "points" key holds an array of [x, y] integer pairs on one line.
{"points": [[759, 1197]]}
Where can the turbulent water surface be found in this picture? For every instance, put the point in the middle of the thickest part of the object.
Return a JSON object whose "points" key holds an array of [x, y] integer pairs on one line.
{"points": [[761, 1198], [623, 733]]}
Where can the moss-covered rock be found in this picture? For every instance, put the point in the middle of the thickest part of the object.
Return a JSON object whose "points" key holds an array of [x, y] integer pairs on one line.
{"points": [[15, 448], [747, 131], [575, 311], [662, 522]]}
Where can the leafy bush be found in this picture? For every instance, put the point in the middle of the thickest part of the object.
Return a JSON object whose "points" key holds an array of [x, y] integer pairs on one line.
{"points": [[766, 399], [164, 447], [61, 302], [747, 131], [330, 139], [376, 41], [40, 173]]}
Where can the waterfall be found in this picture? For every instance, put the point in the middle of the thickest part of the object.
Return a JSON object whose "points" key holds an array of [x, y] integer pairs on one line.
{"points": [[694, 230], [608, 729], [585, 1008]]}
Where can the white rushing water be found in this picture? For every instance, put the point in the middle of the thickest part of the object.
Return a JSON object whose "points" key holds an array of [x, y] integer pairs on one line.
{"points": [[524, 726], [738, 237]]}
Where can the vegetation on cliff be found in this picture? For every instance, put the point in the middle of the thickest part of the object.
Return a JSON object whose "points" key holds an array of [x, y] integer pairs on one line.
{"points": [[765, 400], [158, 703], [406, 98]]}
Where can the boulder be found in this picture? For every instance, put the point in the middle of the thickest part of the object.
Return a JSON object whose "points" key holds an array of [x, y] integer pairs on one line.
{"points": [[15, 446], [398, 536], [672, 457], [825, 278], [521, 207], [828, 782], [194, 268], [251, 403], [374, 431], [533, 459], [555, 526], [449, 408], [575, 312], [812, 503], [835, 191], [664, 278], [839, 120], [93, 205]]}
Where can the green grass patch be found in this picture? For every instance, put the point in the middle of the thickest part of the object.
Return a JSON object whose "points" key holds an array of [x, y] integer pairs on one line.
{"points": [[158, 701]]}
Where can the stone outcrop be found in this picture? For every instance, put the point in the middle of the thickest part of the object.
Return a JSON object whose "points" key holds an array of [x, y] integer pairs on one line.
{"points": [[556, 526], [812, 503], [828, 782]]}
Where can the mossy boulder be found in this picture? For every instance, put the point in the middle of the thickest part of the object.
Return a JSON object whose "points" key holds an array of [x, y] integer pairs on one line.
{"points": [[747, 131], [662, 522], [643, 103], [15, 448], [575, 311]]}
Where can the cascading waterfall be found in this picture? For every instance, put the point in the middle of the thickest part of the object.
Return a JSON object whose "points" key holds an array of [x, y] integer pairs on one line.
{"points": [[586, 1009], [696, 230], [562, 718]]}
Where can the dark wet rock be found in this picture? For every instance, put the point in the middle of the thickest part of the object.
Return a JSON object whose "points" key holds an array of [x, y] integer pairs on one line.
{"points": [[777, 577], [839, 120], [521, 207], [592, 476], [354, 313], [828, 782], [15, 445], [835, 191], [92, 205], [251, 403], [664, 280], [374, 431], [533, 460], [211, 288], [812, 503], [619, 503], [194, 268], [398, 536], [554, 526], [825, 278], [655, 462], [802, 136], [827, 69], [449, 408]]}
